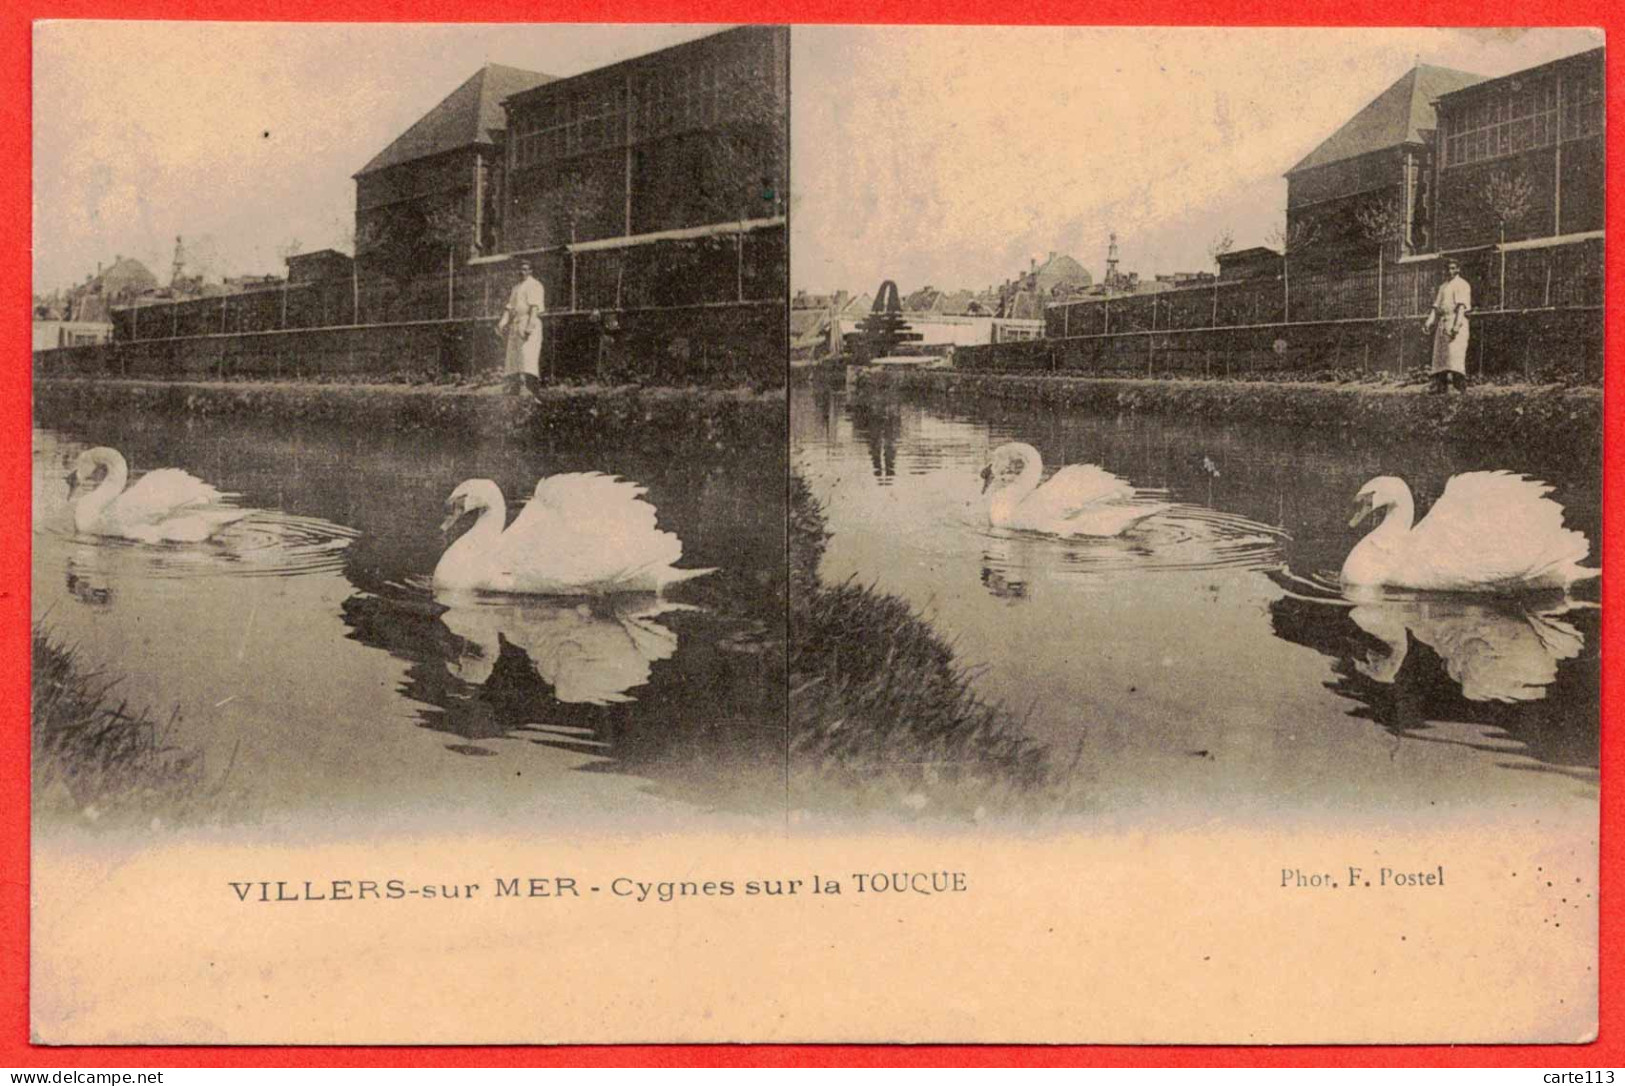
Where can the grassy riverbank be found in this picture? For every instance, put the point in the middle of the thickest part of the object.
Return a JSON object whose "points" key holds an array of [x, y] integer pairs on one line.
{"points": [[594, 412], [883, 713], [1565, 417], [96, 760]]}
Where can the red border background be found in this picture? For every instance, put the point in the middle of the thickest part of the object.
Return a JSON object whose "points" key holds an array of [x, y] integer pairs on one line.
{"points": [[16, 273]]}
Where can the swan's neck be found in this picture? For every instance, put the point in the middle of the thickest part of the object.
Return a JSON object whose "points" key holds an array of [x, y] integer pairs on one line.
{"points": [[1007, 497], [487, 528], [1375, 559], [1400, 515], [112, 485], [466, 551]]}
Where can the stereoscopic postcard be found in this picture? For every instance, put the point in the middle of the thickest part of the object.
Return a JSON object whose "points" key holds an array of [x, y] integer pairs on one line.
{"points": [[650, 533]]}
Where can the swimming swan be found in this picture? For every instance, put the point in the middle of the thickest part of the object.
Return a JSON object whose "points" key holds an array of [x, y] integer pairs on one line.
{"points": [[580, 534], [1490, 531], [1080, 499], [164, 506]]}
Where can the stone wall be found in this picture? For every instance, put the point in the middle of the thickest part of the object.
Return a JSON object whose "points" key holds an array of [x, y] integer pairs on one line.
{"points": [[1557, 345], [729, 344]]}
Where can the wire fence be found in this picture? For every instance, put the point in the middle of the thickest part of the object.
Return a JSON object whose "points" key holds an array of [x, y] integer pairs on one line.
{"points": [[1554, 277], [717, 270]]}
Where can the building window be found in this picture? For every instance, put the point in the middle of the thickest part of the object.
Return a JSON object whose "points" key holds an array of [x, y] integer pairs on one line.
{"points": [[565, 128], [1582, 105], [1521, 116]]}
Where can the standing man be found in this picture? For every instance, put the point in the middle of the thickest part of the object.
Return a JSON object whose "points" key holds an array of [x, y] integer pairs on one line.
{"points": [[1447, 320], [521, 325]]}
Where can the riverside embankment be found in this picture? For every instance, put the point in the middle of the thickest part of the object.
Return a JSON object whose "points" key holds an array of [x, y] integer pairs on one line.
{"points": [[619, 413], [1554, 416]]}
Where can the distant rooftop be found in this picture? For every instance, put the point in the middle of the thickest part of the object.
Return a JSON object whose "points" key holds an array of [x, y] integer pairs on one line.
{"points": [[466, 117], [1395, 117]]}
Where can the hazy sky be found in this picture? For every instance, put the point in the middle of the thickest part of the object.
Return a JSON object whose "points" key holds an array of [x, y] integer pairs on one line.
{"points": [[950, 156], [242, 137]]}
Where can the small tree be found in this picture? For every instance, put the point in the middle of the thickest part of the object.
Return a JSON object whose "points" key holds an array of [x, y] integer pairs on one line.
{"points": [[1219, 246], [447, 226], [1509, 198], [1382, 222], [364, 240], [288, 249], [1293, 239], [579, 199]]}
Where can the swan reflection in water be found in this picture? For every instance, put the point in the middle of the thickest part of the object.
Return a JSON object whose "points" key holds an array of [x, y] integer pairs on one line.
{"points": [[1504, 675], [588, 651], [1499, 651], [485, 666]]}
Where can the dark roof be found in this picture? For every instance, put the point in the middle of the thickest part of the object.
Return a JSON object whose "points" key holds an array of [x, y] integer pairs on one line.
{"points": [[1590, 55], [668, 54], [466, 117], [1396, 116], [326, 254], [125, 275], [1062, 268], [808, 324]]}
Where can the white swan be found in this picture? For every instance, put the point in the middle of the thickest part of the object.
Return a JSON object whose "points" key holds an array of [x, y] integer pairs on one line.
{"points": [[1080, 499], [1494, 653], [164, 506], [590, 653], [580, 534], [1490, 531]]}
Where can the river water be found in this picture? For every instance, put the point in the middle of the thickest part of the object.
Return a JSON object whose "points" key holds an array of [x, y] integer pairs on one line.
{"points": [[303, 660], [1203, 668]]}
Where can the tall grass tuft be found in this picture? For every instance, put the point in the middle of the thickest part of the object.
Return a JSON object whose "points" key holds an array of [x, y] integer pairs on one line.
{"points": [[94, 760], [880, 711]]}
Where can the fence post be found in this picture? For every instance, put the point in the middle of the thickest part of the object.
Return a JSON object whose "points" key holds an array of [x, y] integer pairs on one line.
{"points": [[739, 266], [223, 299]]}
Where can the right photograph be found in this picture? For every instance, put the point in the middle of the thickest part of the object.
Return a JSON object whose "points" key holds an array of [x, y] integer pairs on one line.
{"points": [[1197, 427]]}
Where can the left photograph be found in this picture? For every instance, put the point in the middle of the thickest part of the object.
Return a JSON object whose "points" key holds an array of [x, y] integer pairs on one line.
{"points": [[409, 430]]}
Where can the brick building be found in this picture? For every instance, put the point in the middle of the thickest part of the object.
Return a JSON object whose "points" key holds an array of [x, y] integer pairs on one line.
{"points": [[323, 265], [1524, 151], [438, 185], [1381, 158], [684, 137]]}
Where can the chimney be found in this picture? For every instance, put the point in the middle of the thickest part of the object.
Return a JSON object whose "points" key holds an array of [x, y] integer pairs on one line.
{"points": [[1032, 264], [1052, 254]]}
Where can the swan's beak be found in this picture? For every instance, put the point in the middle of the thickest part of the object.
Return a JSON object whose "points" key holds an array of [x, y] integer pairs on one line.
{"points": [[1362, 509], [987, 478], [454, 513], [73, 483]]}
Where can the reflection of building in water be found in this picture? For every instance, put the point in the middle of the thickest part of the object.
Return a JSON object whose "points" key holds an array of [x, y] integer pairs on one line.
{"points": [[1517, 674], [879, 426]]}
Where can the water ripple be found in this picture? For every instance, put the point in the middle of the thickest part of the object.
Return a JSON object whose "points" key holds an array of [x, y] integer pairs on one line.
{"points": [[268, 543], [1184, 537]]}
